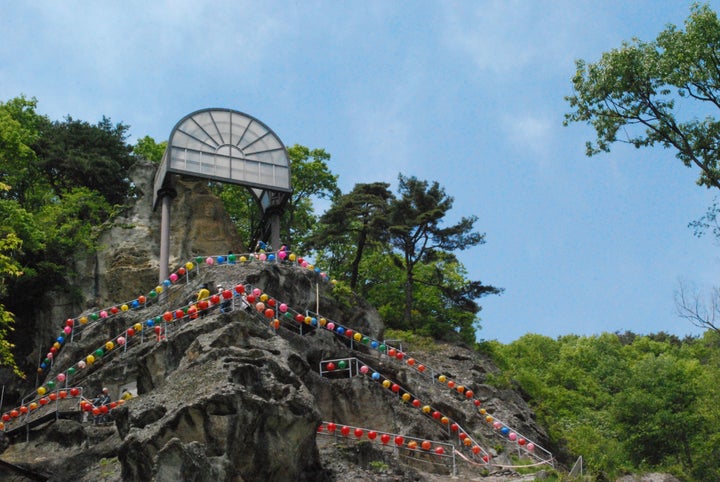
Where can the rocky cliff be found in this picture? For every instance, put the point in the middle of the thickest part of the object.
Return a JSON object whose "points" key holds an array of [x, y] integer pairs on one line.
{"points": [[248, 394]]}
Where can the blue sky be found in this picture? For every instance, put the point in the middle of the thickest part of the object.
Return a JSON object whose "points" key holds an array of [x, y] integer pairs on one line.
{"points": [[466, 93]]}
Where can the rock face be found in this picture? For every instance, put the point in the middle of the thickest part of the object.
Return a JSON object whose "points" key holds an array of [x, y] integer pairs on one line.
{"points": [[226, 397]]}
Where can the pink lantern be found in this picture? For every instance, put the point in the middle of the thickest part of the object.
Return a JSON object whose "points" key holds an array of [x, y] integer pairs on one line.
{"points": [[283, 307], [49, 356], [67, 330], [263, 256], [282, 254], [209, 260], [363, 369], [512, 436], [103, 314], [257, 291], [173, 277], [330, 326], [531, 446], [121, 340], [61, 377]]}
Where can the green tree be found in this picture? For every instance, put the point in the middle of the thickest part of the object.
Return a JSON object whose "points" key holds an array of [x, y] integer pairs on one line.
{"points": [[353, 221], [416, 232], [657, 411], [651, 93], [148, 149], [10, 269], [75, 153], [18, 163], [311, 178]]}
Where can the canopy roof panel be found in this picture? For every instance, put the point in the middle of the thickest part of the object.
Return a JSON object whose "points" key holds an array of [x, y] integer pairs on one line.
{"points": [[229, 146]]}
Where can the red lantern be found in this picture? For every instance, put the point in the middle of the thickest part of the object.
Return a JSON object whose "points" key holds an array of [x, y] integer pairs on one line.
{"points": [[392, 352], [331, 427], [349, 333], [113, 405], [141, 300], [416, 403], [372, 434], [227, 294], [104, 409], [44, 401], [96, 411], [62, 394], [436, 415], [181, 271], [14, 413], [52, 396], [215, 299], [269, 313], [399, 440], [345, 430], [476, 450], [299, 318], [69, 322], [6, 417], [454, 427], [359, 432], [167, 316], [426, 445], [421, 368], [395, 387], [399, 355], [439, 450], [469, 394], [385, 438], [239, 289], [203, 304], [251, 299], [411, 361], [74, 392], [23, 410], [330, 366], [179, 314], [130, 332], [114, 310]]}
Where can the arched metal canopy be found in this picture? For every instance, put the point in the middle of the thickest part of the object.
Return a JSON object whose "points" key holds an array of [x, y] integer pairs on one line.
{"points": [[224, 145], [227, 146]]}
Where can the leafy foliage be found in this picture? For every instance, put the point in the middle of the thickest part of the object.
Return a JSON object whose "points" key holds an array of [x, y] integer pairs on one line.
{"points": [[61, 182], [395, 251], [626, 403], [149, 149], [641, 90]]}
